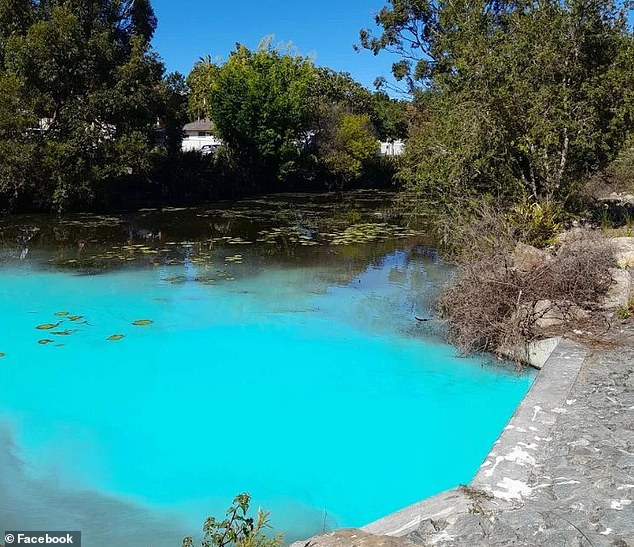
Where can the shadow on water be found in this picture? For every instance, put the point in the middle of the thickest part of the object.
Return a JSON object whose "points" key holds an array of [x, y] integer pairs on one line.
{"points": [[25, 500], [285, 225]]}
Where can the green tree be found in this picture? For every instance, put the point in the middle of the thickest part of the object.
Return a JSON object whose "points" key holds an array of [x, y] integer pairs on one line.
{"points": [[200, 81], [389, 117], [91, 85], [521, 98], [259, 103], [347, 148]]}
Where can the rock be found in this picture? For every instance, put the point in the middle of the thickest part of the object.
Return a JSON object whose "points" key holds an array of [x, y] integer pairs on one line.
{"points": [[625, 259], [618, 198], [576, 233], [353, 538], [620, 291], [534, 354], [624, 251], [527, 257], [552, 314]]}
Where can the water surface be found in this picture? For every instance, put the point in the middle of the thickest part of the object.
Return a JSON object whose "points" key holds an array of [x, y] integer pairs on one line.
{"points": [[292, 368]]}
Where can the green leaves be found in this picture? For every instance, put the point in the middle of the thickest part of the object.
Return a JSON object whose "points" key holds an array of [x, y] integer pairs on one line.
{"points": [[516, 98], [347, 151], [259, 101], [237, 529], [89, 90]]}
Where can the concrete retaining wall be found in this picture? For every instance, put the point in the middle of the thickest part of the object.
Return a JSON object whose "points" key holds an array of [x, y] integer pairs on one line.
{"points": [[505, 471]]}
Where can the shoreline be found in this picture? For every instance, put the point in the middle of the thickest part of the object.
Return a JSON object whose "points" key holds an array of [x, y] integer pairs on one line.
{"points": [[560, 473], [504, 471]]}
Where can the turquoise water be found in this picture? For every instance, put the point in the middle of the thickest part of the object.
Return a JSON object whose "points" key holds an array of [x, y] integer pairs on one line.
{"points": [[306, 382]]}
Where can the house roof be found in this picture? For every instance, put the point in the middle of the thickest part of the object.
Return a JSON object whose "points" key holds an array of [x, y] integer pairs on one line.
{"points": [[200, 125]]}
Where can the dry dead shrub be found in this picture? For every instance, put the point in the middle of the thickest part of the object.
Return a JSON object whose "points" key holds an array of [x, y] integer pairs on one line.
{"points": [[492, 304]]}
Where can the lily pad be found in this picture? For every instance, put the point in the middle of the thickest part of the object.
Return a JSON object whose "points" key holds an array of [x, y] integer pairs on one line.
{"points": [[142, 322], [48, 326], [115, 337]]}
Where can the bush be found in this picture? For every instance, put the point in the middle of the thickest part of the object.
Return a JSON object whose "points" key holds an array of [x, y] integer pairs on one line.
{"points": [[237, 530], [536, 223], [493, 303]]}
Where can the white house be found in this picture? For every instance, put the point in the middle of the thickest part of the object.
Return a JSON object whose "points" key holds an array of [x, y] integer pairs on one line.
{"points": [[392, 148], [198, 134]]}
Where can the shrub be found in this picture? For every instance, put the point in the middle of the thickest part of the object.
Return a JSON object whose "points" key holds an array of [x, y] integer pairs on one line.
{"points": [[493, 304], [536, 223], [237, 530]]}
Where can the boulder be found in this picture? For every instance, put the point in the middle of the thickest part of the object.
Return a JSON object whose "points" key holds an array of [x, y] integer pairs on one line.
{"points": [[527, 257], [552, 314], [624, 251], [620, 292], [534, 354], [353, 538]]}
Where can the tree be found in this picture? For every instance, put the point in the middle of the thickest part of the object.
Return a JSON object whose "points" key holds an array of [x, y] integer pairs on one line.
{"points": [[90, 85], [389, 117], [259, 101], [200, 81], [521, 98], [347, 146]]}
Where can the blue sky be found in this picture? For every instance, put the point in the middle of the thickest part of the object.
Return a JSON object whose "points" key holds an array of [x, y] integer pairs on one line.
{"points": [[324, 29]]}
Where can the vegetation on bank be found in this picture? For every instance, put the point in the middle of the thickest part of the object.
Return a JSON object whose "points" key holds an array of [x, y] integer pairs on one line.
{"points": [[506, 294], [89, 120], [518, 99], [237, 529], [525, 117]]}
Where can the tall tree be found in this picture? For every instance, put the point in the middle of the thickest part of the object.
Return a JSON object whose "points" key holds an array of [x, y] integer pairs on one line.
{"points": [[522, 97], [259, 101], [91, 84]]}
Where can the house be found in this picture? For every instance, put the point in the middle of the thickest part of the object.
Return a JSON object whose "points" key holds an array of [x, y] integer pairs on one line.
{"points": [[198, 134], [392, 148]]}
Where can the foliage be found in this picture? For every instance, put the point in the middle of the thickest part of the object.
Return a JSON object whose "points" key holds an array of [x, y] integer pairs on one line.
{"points": [[89, 90], [618, 176], [623, 313], [349, 148], [237, 529], [258, 101], [535, 223], [493, 303], [389, 117], [200, 81], [339, 88], [520, 97], [288, 123]]}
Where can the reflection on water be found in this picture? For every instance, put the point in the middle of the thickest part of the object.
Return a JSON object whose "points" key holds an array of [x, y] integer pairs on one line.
{"points": [[199, 365]]}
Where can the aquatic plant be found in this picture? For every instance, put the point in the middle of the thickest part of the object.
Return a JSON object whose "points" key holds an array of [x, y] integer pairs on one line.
{"points": [[48, 326]]}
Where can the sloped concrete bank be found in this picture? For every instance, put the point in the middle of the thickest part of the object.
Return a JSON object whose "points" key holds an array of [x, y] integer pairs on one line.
{"points": [[503, 477], [561, 473]]}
